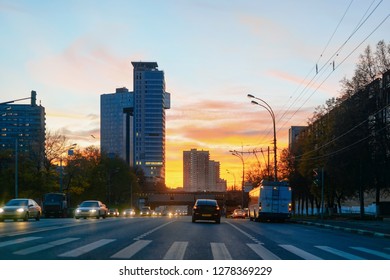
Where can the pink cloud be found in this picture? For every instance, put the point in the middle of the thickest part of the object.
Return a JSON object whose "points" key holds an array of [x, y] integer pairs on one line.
{"points": [[84, 65]]}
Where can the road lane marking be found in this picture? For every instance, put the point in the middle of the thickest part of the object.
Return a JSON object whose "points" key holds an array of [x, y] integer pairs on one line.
{"points": [[131, 250], [262, 252], [17, 241], [45, 246], [176, 251], [300, 253], [245, 233], [50, 228], [87, 248], [152, 230], [342, 254], [220, 252], [372, 252]]}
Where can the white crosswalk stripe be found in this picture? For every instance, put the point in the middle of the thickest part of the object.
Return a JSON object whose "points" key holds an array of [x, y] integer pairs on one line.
{"points": [[87, 248], [131, 250], [220, 252], [45, 246], [176, 251], [262, 252], [342, 254], [300, 253], [17, 241], [372, 252]]}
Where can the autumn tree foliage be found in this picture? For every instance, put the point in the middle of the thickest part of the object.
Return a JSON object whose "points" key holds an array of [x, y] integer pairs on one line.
{"points": [[349, 136]]}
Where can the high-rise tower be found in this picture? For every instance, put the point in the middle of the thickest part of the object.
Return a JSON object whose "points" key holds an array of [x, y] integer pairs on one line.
{"points": [[133, 123], [150, 102], [116, 124]]}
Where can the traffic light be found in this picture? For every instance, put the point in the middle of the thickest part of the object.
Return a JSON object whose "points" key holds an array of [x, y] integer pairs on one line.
{"points": [[316, 177]]}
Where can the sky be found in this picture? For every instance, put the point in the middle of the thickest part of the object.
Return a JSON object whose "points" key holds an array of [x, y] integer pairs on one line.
{"points": [[213, 53]]}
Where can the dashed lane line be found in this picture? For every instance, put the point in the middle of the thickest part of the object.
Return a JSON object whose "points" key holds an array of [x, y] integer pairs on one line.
{"points": [[152, 230], [254, 239], [262, 252]]}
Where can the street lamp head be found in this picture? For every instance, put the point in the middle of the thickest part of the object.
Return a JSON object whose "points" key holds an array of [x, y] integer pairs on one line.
{"points": [[250, 95]]}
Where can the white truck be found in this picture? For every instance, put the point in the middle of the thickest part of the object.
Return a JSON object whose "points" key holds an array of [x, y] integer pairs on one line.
{"points": [[271, 201]]}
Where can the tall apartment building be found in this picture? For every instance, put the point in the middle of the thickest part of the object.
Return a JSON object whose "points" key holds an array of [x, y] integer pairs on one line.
{"points": [[133, 123], [150, 102], [22, 128], [293, 135], [215, 182], [116, 123], [200, 173]]}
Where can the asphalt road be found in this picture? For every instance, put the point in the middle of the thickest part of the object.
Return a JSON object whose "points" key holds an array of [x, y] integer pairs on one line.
{"points": [[149, 238]]}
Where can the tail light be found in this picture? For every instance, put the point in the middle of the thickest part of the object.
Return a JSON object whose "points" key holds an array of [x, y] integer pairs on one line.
{"points": [[260, 206], [289, 207]]}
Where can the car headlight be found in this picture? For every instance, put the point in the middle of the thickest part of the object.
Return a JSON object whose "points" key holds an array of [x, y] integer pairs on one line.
{"points": [[20, 210], [1, 210], [78, 210]]}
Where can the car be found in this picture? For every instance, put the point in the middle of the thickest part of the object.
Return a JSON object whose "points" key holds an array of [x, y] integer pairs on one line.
{"points": [[239, 214], [113, 212], [128, 212], [206, 209], [145, 211], [91, 208], [21, 208]]}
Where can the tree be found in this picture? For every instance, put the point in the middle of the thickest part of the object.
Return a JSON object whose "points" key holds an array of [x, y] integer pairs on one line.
{"points": [[90, 175], [349, 136]]}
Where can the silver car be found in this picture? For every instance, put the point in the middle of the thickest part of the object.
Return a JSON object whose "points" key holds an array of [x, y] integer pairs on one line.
{"points": [[20, 208], [91, 208]]}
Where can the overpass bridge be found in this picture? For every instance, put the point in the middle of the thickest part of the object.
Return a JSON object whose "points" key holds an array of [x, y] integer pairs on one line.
{"points": [[170, 198]]}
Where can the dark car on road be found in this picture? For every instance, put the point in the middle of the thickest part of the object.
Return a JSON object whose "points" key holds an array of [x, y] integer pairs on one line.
{"points": [[206, 209], [20, 208]]}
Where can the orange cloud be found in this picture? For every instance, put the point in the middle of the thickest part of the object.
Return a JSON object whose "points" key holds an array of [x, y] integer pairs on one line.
{"points": [[220, 127]]}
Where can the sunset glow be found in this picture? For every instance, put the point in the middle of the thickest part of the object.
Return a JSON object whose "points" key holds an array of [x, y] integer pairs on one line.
{"points": [[213, 53]]}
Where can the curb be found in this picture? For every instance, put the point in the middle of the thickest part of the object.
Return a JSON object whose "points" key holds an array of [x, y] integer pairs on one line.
{"points": [[347, 229]]}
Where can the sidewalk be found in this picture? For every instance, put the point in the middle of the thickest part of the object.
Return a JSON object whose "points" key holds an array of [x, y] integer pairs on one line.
{"points": [[378, 228]]}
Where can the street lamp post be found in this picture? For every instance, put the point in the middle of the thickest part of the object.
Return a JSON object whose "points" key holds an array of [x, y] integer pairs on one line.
{"points": [[69, 149], [16, 168], [241, 157], [234, 177], [266, 106]]}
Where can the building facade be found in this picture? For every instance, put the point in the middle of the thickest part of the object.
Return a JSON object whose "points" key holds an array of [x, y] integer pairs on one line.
{"points": [[133, 123], [200, 173], [150, 102], [116, 124], [23, 128], [293, 135]]}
